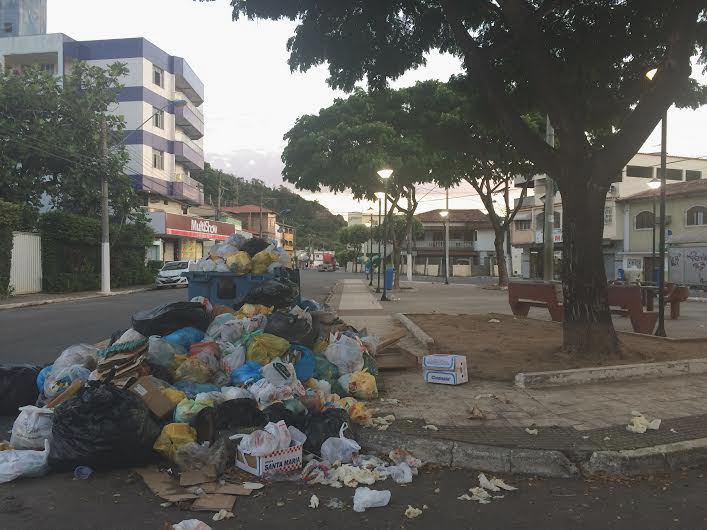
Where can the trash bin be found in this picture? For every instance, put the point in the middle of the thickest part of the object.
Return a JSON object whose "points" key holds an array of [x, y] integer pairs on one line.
{"points": [[389, 277], [621, 275]]}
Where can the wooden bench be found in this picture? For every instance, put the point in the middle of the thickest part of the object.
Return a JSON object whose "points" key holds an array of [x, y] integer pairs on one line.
{"points": [[674, 294], [524, 295], [627, 301]]}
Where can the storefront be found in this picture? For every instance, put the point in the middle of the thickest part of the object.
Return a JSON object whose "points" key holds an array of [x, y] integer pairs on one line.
{"points": [[183, 237]]}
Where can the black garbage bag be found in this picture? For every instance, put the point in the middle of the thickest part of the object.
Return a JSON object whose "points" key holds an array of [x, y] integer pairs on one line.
{"points": [[290, 327], [278, 411], [18, 387], [321, 427], [254, 245], [164, 319], [239, 413], [277, 293], [102, 427]]}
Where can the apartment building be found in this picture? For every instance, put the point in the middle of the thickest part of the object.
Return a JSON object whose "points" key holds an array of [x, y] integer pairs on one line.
{"points": [[256, 219], [527, 229]]}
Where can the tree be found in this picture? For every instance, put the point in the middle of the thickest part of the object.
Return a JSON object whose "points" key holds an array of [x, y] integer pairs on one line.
{"points": [[399, 228], [353, 237], [582, 63]]}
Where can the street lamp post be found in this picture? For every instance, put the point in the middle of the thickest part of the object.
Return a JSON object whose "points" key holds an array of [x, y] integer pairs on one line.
{"points": [[370, 212], [444, 214], [367, 251], [653, 184], [385, 174], [380, 196]]}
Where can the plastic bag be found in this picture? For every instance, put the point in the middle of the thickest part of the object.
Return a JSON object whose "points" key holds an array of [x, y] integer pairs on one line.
{"points": [[42, 376], [254, 245], [185, 337], [234, 392], [340, 449], [262, 260], [130, 335], [58, 381], [371, 343], [280, 432], [367, 498], [232, 330], [283, 258], [162, 352], [273, 293], [265, 392], [174, 395], [187, 409], [266, 347], [258, 443], [191, 524], [80, 354], [163, 320], [191, 389], [346, 353], [279, 374], [326, 425], [214, 329], [208, 352], [250, 371], [234, 356], [194, 370], [292, 328], [236, 240], [305, 366], [205, 302], [102, 426], [31, 428], [215, 397], [172, 437], [239, 263], [362, 385], [194, 456], [23, 463], [325, 370]]}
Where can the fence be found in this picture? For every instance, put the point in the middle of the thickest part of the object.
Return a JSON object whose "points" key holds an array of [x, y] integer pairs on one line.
{"points": [[26, 265]]}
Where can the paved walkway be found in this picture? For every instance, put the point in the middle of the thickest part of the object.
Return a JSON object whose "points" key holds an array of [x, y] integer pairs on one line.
{"points": [[567, 416]]}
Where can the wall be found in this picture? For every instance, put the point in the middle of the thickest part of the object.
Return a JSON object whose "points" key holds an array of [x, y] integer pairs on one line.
{"points": [[484, 241], [688, 265]]}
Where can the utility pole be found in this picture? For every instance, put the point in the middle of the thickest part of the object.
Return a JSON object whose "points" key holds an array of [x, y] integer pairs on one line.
{"points": [[410, 258], [105, 225], [446, 237], [261, 213], [548, 243], [660, 331], [218, 203]]}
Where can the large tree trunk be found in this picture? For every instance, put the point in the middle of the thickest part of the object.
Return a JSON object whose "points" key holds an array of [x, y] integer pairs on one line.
{"points": [[500, 257], [588, 328]]}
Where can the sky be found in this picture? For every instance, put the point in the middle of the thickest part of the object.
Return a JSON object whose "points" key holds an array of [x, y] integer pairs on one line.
{"points": [[252, 99]]}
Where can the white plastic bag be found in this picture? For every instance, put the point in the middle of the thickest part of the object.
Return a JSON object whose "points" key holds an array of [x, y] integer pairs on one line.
{"points": [[234, 392], [79, 354], [346, 353], [191, 524], [129, 336], [214, 329], [232, 330], [368, 498], [23, 463], [401, 474], [280, 432], [279, 374], [233, 356], [32, 427], [340, 449], [298, 437], [258, 443]]}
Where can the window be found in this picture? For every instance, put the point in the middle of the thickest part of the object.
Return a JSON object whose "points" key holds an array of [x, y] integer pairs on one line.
{"points": [[670, 174], [644, 172], [157, 159], [474, 235], [608, 215], [158, 76], [8, 27], [696, 216], [645, 221], [522, 225], [691, 174], [540, 220], [158, 118]]}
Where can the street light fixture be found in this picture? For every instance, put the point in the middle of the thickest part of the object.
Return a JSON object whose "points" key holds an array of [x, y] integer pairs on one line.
{"points": [[660, 331], [385, 174]]}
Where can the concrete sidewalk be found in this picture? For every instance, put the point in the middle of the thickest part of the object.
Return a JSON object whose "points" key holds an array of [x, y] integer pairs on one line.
{"points": [[574, 423], [29, 300]]}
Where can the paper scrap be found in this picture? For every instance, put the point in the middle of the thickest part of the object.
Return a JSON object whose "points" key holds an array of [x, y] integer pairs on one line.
{"points": [[530, 431], [314, 502], [431, 428], [223, 514], [412, 512]]}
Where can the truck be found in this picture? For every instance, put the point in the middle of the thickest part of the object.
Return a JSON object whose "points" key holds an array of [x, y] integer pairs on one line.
{"points": [[329, 263]]}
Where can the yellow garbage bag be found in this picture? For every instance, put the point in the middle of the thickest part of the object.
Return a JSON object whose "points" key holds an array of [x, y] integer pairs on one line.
{"points": [[266, 347], [360, 414], [362, 385], [250, 310], [320, 346], [172, 437], [262, 260], [174, 395], [194, 370], [239, 262]]}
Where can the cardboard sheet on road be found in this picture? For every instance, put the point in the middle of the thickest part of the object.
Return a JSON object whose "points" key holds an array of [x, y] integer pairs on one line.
{"points": [[200, 476], [213, 503], [164, 486]]}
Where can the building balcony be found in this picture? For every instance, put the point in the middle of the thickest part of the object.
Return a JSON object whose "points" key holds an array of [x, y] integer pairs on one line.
{"points": [[187, 189], [454, 244], [191, 120], [151, 185], [189, 154], [188, 82]]}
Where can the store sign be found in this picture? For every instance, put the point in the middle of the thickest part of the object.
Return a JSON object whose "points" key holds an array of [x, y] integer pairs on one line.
{"points": [[556, 235], [196, 227]]}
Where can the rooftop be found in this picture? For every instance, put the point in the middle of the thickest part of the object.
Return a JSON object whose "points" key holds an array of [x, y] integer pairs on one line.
{"points": [[247, 208], [675, 189]]}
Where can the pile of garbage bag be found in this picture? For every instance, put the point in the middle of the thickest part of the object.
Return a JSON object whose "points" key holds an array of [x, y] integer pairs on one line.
{"points": [[243, 256], [193, 383]]}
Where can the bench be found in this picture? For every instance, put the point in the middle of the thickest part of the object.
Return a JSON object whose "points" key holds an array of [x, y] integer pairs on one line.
{"points": [[674, 294], [627, 301], [524, 295]]}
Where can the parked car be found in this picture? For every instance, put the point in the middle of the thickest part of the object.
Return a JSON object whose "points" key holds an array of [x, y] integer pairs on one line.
{"points": [[171, 274]]}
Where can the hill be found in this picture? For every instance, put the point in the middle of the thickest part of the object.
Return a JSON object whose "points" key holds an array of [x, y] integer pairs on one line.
{"points": [[314, 224]]}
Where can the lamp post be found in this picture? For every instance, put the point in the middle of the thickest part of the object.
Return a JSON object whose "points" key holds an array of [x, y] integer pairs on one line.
{"points": [[379, 196], [653, 184], [385, 174], [660, 331], [367, 253], [105, 217], [444, 214], [370, 213]]}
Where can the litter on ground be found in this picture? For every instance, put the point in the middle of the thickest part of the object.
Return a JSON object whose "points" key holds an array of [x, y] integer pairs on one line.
{"points": [[412, 512]]}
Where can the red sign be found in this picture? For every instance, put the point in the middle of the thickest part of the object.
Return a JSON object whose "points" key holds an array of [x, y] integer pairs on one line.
{"points": [[196, 227]]}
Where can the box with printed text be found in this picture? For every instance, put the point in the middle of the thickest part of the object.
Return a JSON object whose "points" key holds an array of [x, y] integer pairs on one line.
{"points": [[445, 369]]}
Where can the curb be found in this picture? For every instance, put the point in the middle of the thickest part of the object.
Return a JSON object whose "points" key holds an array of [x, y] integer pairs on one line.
{"points": [[71, 299], [603, 374], [416, 330]]}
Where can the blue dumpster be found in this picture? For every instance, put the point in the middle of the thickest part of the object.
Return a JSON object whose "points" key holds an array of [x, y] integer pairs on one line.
{"points": [[389, 277]]}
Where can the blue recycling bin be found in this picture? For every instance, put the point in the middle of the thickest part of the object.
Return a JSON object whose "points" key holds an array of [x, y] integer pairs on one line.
{"points": [[621, 276], [389, 277]]}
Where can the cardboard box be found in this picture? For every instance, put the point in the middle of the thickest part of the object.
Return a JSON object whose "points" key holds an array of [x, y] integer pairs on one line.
{"points": [[153, 398], [445, 377], [281, 461], [453, 363]]}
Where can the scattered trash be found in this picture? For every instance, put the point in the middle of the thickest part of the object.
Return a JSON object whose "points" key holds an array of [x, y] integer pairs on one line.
{"points": [[431, 428], [607, 438], [476, 413], [82, 472], [494, 321], [191, 524], [495, 484], [412, 512], [16, 463], [340, 449], [314, 502], [532, 431], [640, 424], [223, 514], [253, 485], [365, 498], [436, 491], [673, 431], [335, 504], [389, 401], [383, 422], [445, 369]]}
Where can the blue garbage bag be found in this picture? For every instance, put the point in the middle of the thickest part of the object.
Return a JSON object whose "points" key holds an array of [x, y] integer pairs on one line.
{"points": [[42, 376], [250, 371], [191, 389], [185, 337], [304, 368]]}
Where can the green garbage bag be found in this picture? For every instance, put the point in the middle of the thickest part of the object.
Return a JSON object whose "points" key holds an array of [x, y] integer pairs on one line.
{"points": [[323, 369], [264, 348]]}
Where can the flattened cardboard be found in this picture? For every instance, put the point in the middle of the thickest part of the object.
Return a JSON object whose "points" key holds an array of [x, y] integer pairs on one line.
{"points": [[225, 489], [199, 476], [164, 486], [153, 398], [213, 502]]}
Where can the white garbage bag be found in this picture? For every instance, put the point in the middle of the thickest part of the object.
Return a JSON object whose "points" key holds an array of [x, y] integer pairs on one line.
{"points": [[32, 427], [340, 449], [23, 463], [368, 498], [346, 353]]}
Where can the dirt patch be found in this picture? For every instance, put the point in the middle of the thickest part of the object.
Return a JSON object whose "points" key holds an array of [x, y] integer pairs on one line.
{"points": [[499, 350]]}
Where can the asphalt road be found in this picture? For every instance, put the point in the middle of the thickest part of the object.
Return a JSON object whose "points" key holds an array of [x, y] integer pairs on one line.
{"points": [[39, 334]]}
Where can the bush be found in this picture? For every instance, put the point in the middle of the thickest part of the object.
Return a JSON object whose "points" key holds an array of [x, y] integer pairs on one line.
{"points": [[9, 217]]}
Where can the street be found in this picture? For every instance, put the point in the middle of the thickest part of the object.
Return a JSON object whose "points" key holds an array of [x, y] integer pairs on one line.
{"points": [[39, 334]]}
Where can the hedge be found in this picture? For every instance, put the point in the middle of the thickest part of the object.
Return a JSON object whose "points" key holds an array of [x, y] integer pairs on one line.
{"points": [[9, 217], [71, 253]]}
